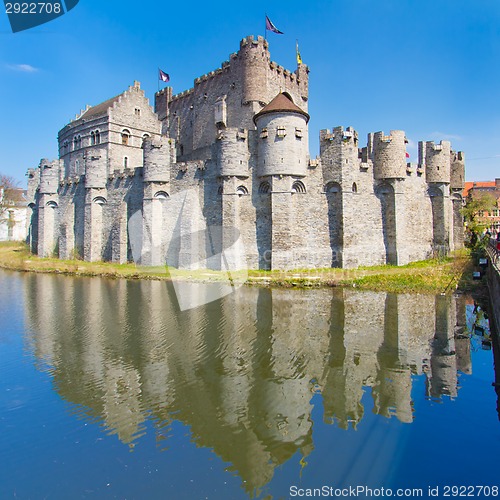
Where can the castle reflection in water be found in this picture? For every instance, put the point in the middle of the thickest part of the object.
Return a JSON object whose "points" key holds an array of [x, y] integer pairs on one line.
{"points": [[241, 371]]}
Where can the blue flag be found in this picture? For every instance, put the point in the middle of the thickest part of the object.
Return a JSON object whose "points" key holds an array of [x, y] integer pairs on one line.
{"points": [[271, 27], [164, 77]]}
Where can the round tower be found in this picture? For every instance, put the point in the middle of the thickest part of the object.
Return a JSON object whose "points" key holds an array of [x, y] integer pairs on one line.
{"points": [[437, 161], [255, 60], [338, 152], [282, 136], [457, 171], [49, 177], [389, 155], [233, 152], [158, 154]]}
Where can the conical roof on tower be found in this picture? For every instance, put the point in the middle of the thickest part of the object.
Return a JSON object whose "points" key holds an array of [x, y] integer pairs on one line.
{"points": [[282, 103]]}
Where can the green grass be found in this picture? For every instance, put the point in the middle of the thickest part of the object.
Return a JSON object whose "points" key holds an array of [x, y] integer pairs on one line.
{"points": [[430, 276]]}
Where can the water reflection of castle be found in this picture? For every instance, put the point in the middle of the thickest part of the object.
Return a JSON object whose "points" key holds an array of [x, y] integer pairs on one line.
{"points": [[241, 372]]}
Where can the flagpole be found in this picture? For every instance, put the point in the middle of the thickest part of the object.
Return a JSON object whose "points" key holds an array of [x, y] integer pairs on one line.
{"points": [[158, 78], [265, 28]]}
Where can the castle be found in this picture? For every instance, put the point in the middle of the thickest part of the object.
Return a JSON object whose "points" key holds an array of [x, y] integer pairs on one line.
{"points": [[133, 183]]}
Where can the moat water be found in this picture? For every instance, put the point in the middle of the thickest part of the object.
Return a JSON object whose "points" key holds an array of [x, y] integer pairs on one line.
{"points": [[108, 390]]}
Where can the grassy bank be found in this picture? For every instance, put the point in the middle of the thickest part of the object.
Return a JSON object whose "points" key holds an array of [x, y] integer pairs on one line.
{"points": [[430, 276]]}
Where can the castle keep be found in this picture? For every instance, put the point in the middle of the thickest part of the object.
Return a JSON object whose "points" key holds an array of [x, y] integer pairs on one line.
{"points": [[232, 153]]}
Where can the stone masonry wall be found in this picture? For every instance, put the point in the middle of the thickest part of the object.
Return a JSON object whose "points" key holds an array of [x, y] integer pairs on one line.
{"points": [[202, 165]]}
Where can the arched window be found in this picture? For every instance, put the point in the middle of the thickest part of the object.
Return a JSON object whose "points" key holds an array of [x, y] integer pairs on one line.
{"points": [[97, 137], [51, 204], [144, 137], [241, 191], [125, 162], [332, 187], [384, 190], [434, 191], [161, 195], [92, 138], [354, 187], [125, 137], [264, 188], [298, 187], [75, 143], [99, 200]]}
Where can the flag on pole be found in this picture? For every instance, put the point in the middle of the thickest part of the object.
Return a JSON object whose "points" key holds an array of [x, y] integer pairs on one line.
{"points": [[164, 77], [271, 27], [299, 59]]}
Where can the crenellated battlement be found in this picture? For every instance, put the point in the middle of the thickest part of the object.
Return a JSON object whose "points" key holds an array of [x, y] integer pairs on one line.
{"points": [[159, 155], [254, 42], [182, 94], [211, 74], [457, 171], [437, 161], [233, 153], [389, 155], [339, 135], [49, 176]]}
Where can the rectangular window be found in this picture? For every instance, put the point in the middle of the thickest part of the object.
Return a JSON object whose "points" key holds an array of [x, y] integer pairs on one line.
{"points": [[298, 132], [263, 133], [281, 132]]}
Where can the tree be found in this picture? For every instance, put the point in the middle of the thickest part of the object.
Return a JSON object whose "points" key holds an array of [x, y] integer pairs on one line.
{"points": [[11, 195], [473, 213]]}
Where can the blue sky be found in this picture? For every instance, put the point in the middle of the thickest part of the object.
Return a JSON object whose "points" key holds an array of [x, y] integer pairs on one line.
{"points": [[431, 68]]}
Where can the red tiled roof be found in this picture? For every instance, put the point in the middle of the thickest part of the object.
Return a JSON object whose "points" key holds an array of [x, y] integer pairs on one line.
{"points": [[281, 103], [477, 184]]}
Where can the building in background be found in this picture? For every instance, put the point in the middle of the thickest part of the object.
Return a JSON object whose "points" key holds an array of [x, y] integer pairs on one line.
{"points": [[474, 190], [13, 215]]}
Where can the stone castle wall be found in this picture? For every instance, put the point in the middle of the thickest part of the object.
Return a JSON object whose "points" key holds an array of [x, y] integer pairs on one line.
{"points": [[179, 185]]}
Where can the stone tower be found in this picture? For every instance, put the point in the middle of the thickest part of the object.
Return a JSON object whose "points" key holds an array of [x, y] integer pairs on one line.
{"points": [[457, 184], [48, 203], [437, 163], [339, 158], [282, 164], [159, 154], [389, 169]]}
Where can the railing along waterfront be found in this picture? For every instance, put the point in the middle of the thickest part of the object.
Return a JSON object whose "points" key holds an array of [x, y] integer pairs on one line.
{"points": [[493, 250]]}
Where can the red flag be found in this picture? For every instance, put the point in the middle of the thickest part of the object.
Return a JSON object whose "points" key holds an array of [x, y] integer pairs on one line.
{"points": [[407, 155]]}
